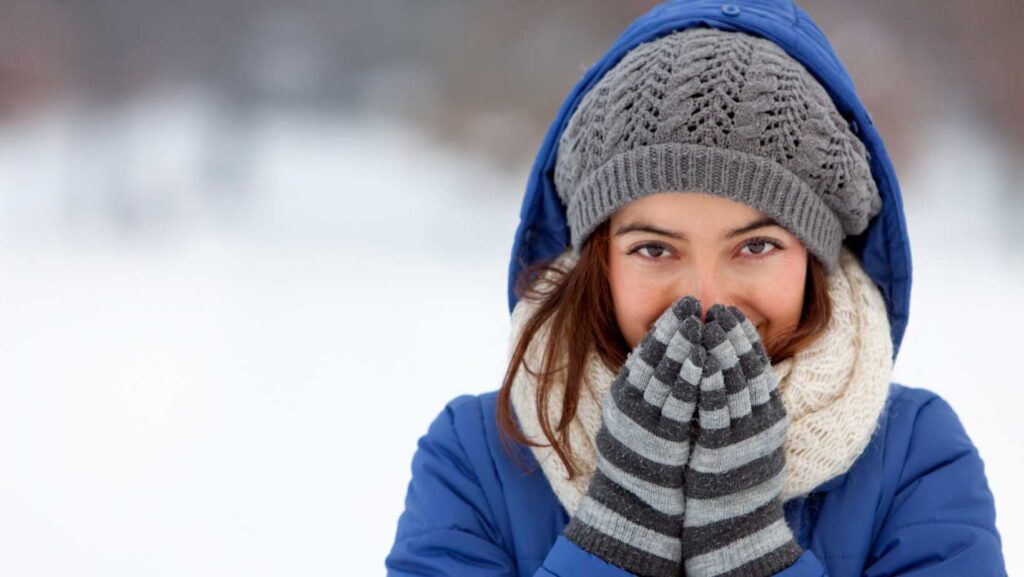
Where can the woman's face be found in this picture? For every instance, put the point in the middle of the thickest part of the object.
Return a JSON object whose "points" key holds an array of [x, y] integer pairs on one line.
{"points": [[666, 246]]}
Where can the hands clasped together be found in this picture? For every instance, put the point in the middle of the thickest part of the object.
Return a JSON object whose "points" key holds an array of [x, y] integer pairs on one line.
{"points": [[690, 454]]}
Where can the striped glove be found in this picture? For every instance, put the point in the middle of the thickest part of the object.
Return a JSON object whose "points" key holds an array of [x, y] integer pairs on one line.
{"points": [[631, 515], [734, 523]]}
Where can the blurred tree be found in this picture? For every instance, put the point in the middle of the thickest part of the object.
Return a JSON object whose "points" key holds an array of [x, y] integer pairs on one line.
{"points": [[37, 47], [486, 75]]}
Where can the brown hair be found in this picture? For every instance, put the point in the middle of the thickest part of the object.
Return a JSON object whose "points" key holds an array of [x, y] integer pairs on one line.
{"points": [[579, 304]]}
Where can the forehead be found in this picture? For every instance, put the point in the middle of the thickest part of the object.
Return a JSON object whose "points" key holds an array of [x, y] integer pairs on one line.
{"points": [[692, 208]]}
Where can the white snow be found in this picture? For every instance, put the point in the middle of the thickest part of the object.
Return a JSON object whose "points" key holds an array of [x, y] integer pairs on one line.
{"points": [[242, 394]]}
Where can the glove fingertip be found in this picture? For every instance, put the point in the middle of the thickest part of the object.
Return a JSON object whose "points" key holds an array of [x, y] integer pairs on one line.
{"points": [[714, 335], [714, 312], [753, 365], [688, 306], [692, 330], [730, 317]]}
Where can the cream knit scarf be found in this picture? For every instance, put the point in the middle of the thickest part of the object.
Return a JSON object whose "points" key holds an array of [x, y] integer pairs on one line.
{"points": [[834, 391]]}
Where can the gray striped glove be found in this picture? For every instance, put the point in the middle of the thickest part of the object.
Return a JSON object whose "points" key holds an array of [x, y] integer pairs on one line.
{"points": [[631, 515], [734, 521]]}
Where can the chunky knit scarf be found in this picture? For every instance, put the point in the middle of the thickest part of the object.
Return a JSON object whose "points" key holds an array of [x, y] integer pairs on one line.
{"points": [[834, 391]]}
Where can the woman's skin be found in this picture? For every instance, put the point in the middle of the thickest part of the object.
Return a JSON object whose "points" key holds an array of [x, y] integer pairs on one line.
{"points": [[761, 271]]}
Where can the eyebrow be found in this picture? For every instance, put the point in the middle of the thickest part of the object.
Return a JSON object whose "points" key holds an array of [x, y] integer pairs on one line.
{"points": [[641, 226]]}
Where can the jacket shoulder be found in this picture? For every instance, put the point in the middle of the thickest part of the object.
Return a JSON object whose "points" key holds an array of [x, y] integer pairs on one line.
{"points": [[914, 396], [466, 419], [921, 427], [934, 487], [452, 521], [922, 417], [459, 430]]}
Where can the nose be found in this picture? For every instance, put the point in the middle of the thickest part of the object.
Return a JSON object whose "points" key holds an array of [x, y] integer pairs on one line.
{"points": [[706, 284]]}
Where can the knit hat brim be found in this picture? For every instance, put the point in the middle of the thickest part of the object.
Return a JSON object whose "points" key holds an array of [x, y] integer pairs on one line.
{"points": [[676, 167]]}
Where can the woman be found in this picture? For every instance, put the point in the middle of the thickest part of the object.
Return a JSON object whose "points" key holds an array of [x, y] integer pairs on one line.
{"points": [[711, 282]]}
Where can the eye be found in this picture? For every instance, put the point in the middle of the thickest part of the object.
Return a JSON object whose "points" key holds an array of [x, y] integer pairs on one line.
{"points": [[654, 251], [761, 246]]}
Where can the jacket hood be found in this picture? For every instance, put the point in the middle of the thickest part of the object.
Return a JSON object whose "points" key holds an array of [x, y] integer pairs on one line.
{"points": [[883, 249]]}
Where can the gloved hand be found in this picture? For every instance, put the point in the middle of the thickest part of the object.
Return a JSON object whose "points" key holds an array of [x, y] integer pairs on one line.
{"points": [[734, 523], [631, 515]]}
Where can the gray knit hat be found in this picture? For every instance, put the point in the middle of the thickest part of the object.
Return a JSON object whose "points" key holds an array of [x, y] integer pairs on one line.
{"points": [[723, 113]]}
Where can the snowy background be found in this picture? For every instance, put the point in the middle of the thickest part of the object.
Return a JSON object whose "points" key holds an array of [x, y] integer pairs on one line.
{"points": [[211, 403], [206, 313]]}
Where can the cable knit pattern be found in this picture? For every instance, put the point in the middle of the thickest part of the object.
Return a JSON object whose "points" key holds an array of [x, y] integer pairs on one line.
{"points": [[834, 391], [722, 113]]}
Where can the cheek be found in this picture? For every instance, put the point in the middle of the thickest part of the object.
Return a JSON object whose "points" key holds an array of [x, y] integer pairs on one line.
{"points": [[638, 301], [781, 301]]}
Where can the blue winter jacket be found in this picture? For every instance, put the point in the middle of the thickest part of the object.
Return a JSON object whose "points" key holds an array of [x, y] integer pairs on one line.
{"points": [[916, 502]]}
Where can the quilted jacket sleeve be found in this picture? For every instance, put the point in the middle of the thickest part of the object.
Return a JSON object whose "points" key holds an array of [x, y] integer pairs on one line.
{"points": [[449, 528], [941, 518]]}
